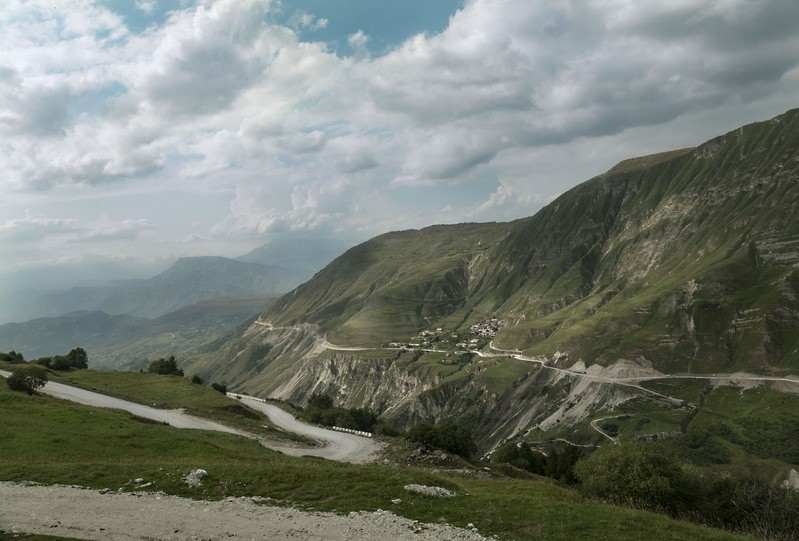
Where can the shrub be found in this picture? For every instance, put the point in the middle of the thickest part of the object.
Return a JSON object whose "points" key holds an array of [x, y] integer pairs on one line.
{"points": [[219, 387], [197, 380], [635, 474], [27, 378], [445, 435], [165, 367]]}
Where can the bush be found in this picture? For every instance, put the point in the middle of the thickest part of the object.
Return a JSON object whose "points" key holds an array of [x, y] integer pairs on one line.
{"points": [[751, 505], [197, 380], [165, 367], [219, 387], [321, 411], [320, 401], [635, 474], [445, 435], [521, 456], [27, 378]]}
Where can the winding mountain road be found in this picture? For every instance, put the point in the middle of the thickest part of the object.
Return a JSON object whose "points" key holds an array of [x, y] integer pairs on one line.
{"points": [[336, 446]]}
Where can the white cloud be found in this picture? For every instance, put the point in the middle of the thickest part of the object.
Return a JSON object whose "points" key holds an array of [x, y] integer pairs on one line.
{"points": [[146, 6], [302, 20], [359, 42], [219, 97], [105, 230], [31, 229]]}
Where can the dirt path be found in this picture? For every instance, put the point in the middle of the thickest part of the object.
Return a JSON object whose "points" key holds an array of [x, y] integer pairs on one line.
{"points": [[127, 516], [334, 445]]}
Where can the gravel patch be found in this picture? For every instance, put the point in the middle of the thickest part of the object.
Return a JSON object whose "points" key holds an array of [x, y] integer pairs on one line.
{"points": [[91, 514]]}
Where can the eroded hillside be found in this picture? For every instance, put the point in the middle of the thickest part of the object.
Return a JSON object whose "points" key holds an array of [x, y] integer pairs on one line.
{"points": [[681, 262]]}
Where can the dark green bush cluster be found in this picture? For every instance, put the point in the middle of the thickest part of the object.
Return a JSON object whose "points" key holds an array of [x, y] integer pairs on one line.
{"points": [[555, 460], [648, 476], [445, 435], [320, 410], [27, 378], [219, 387], [165, 367], [11, 357], [75, 359]]}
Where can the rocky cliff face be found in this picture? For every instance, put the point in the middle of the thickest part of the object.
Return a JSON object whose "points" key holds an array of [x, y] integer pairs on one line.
{"points": [[686, 261]]}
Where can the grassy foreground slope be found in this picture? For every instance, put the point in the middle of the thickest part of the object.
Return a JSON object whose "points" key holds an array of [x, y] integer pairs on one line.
{"points": [[44, 440]]}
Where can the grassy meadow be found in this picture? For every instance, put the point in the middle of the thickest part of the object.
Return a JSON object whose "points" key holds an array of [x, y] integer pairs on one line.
{"points": [[46, 440]]}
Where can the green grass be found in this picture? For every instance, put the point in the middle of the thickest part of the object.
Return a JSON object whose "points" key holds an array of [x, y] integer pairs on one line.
{"points": [[172, 392], [501, 372], [44, 440]]}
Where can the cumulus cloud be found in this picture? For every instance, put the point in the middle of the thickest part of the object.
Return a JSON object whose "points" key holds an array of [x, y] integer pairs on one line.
{"points": [[219, 96], [359, 42], [105, 230], [146, 6], [31, 229], [302, 20]]}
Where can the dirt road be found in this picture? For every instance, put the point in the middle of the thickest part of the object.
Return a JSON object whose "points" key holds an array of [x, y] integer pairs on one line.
{"points": [[333, 445], [338, 446], [125, 516]]}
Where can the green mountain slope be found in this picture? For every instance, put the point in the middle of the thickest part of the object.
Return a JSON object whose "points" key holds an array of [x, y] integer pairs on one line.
{"points": [[687, 258], [392, 285], [685, 261]]}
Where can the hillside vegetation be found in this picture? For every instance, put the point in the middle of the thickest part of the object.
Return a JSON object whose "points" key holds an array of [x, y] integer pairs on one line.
{"points": [[684, 262], [43, 439]]}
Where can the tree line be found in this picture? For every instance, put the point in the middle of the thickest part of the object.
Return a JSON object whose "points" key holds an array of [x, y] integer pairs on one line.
{"points": [[28, 377]]}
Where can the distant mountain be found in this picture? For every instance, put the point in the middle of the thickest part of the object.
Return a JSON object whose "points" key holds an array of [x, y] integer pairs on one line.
{"points": [[58, 335], [272, 269], [680, 262], [188, 281], [125, 342], [305, 256]]}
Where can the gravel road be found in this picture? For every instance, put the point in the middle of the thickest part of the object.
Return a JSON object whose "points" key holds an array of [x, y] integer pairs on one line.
{"points": [[334, 445], [127, 516], [337, 445]]}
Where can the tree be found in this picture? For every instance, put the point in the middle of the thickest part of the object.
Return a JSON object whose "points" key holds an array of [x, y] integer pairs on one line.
{"points": [[78, 358], [165, 367], [27, 378], [12, 357], [320, 401], [445, 435]]}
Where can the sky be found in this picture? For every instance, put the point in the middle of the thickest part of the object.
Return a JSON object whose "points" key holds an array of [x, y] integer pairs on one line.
{"points": [[140, 131]]}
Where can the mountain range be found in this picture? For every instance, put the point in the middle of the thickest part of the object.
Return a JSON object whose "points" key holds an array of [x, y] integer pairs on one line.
{"points": [[123, 323], [684, 262]]}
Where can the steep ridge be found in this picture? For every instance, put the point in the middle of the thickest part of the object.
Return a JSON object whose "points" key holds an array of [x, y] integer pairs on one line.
{"points": [[685, 261], [392, 285]]}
